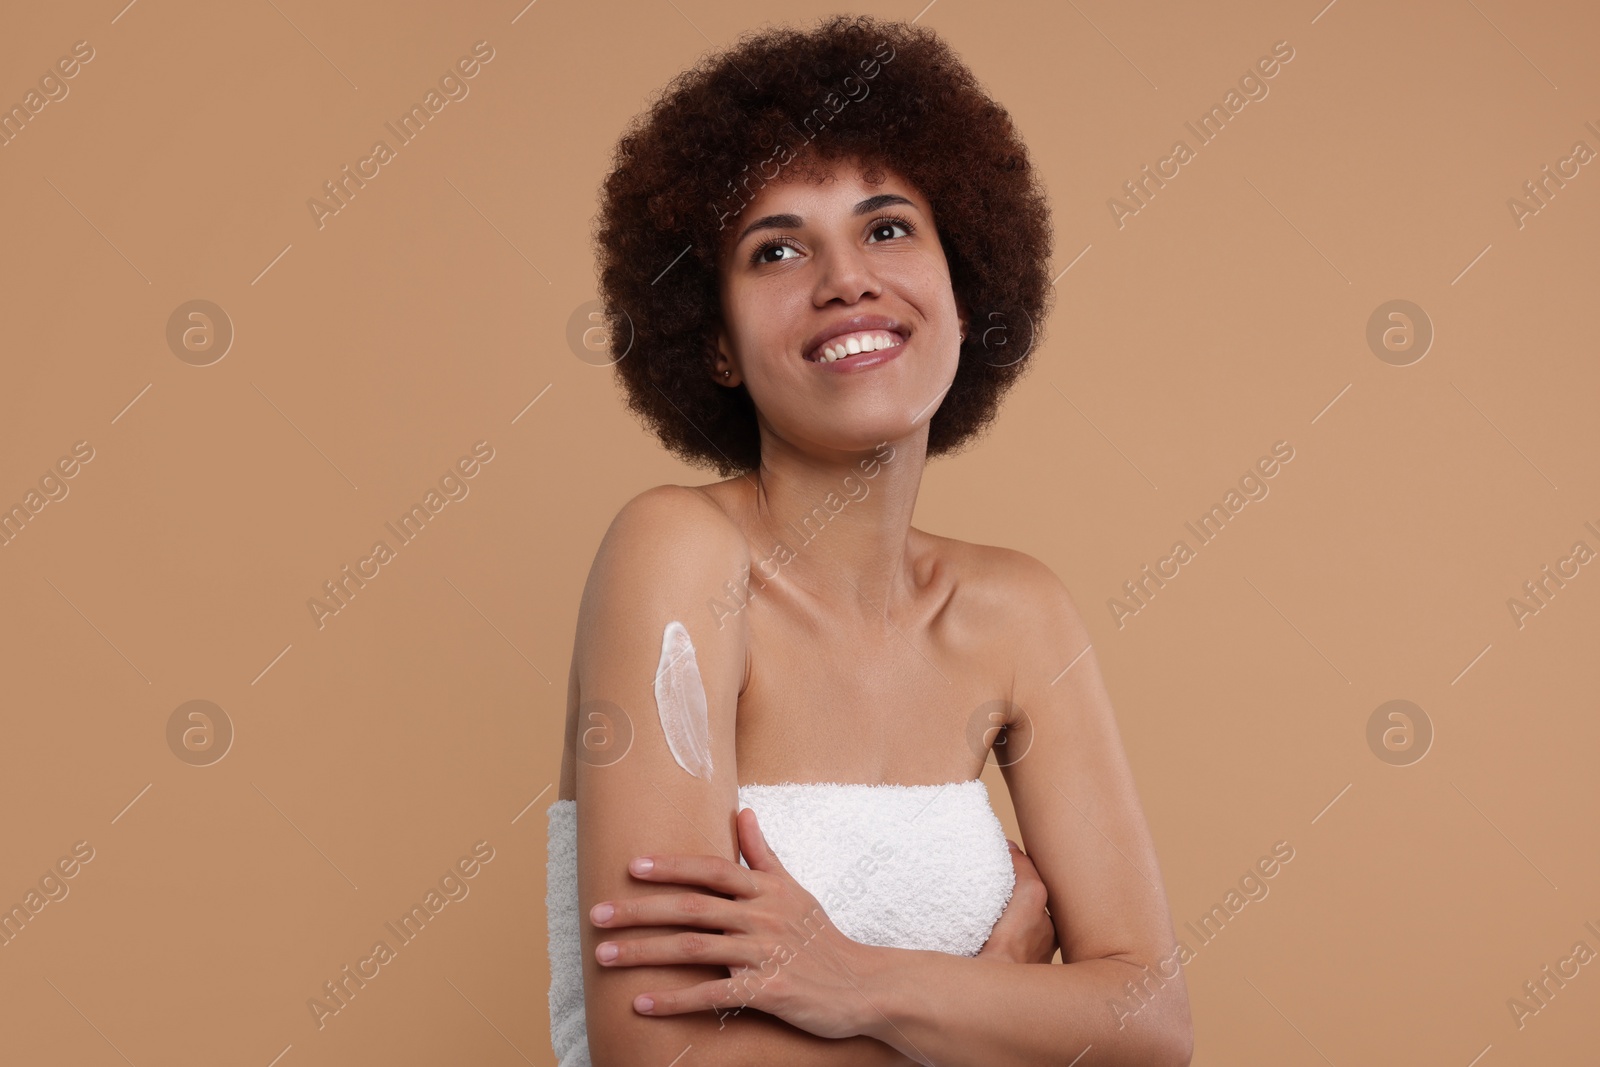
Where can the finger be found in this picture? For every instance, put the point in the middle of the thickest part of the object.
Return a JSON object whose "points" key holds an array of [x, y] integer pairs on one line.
{"points": [[753, 843], [1025, 865], [1029, 885], [665, 949], [1021, 866], [673, 909], [713, 872]]}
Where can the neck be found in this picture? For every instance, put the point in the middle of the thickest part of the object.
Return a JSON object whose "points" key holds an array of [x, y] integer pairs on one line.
{"points": [[844, 517]]}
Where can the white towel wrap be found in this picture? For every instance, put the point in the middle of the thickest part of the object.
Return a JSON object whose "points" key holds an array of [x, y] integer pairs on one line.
{"points": [[907, 866]]}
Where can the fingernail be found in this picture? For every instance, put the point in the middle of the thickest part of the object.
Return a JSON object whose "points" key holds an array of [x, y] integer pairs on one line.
{"points": [[606, 952], [602, 913], [643, 1003], [643, 865]]}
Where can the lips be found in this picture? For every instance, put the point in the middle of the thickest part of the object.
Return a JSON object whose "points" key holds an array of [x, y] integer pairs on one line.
{"points": [[853, 324]]}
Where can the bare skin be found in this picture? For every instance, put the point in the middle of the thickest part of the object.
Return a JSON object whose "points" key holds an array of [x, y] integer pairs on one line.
{"points": [[861, 657]]}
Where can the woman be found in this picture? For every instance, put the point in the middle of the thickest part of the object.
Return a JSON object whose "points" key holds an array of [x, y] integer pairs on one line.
{"points": [[829, 250]]}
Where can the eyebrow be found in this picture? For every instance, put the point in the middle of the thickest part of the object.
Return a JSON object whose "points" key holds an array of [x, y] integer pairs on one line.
{"points": [[794, 222]]}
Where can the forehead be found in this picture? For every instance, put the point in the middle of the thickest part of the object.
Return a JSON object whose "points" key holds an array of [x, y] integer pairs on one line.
{"points": [[828, 183]]}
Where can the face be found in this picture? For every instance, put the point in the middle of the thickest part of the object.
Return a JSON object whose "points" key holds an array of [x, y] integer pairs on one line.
{"points": [[843, 263]]}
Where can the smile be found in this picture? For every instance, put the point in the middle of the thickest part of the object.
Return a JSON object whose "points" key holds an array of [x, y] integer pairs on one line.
{"points": [[861, 349]]}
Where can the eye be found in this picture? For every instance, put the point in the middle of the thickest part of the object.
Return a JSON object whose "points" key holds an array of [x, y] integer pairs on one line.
{"points": [[767, 246], [758, 255], [890, 222]]}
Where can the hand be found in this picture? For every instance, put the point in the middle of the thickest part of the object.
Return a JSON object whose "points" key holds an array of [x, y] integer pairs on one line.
{"points": [[1025, 932], [784, 956]]}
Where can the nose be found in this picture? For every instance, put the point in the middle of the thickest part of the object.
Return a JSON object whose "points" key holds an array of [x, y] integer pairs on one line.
{"points": [[846, 275]]}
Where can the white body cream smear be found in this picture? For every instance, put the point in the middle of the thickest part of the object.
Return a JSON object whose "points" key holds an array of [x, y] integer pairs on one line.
{"points": [[681, 702]]}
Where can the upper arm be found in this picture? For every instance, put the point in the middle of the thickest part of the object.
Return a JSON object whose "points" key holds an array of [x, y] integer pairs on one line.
{"points": [[664, 558], [1074, 793]]}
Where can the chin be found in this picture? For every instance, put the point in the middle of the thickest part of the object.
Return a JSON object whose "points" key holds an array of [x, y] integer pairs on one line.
{"points": [[867, 435]]}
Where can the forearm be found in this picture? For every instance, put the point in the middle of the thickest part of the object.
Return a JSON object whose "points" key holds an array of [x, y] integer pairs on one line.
{"points": [[961, 1011], [751, 1038], [774, 1041]]}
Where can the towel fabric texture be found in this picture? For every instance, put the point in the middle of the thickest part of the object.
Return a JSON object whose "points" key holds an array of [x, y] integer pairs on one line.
{"points": [[906, 866]]}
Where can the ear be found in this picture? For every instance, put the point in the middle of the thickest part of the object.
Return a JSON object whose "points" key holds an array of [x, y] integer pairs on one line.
{"points": [[724, 361], [967, 326]]}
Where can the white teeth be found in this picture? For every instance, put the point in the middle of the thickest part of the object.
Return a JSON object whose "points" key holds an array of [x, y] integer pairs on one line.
{"points": [[854, 345]]}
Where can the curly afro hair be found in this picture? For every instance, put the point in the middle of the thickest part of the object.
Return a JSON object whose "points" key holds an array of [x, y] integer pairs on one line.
{"points": [[783, 102]]}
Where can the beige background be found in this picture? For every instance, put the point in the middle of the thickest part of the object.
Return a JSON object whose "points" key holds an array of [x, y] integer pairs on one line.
{"points": [[1230, 313]]}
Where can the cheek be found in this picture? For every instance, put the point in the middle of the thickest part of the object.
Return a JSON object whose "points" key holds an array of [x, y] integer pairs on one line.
{"points": [[926, 285]]}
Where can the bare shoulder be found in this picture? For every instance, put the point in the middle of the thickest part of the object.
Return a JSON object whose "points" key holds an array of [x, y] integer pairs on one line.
{"points": [[684, 508], [671, 524], [665, 556], [1014, 595], [667, 553]]}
